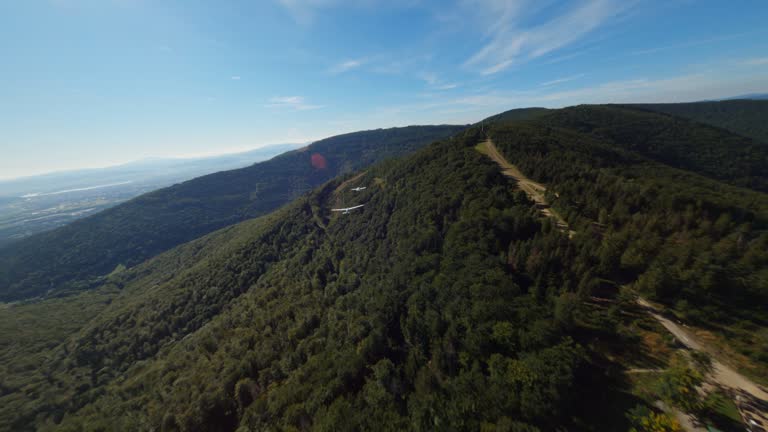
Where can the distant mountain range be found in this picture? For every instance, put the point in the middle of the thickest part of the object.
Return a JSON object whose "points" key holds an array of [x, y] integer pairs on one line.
{"points": [[746, 117], [155, 171], [76, 255], [40, 203], [757, 96]]}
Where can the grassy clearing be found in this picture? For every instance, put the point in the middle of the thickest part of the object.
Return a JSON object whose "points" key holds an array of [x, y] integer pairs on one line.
{"points": [[640, 342], [482, 148], [741, 344], [718, 411], [737, 347], [721, 413], [643, 385]]}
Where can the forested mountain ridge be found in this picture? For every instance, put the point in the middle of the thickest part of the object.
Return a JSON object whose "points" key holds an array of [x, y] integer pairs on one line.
{"points": [[517, 114], [673, 141], [155, 303], [388, 316], [746, 117], [446, 302], [696, 244], [74, 256]]}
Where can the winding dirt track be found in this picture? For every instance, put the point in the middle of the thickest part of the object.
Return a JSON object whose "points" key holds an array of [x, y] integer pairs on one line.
{"points": [[534, 190], [750, 398], [721, 374]]}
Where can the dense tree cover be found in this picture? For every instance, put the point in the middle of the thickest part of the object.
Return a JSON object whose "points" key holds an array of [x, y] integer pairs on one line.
{"points": [[696, 244], [646, 420], [444, 303], [73, 256], [518, 114], [39, 375], [745, 116], [30, 332], [673, 141], [679, 385]]}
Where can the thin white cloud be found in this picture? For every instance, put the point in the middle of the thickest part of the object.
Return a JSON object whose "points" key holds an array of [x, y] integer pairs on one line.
{"points": [[566, 57], [235, 78], [389, 68], [561, 80], [718, 83], [296, 103], [429, 78], [435, 82], [512, 43], [689, 44], [301, 10], [755, 61], [347, 66], [304, 11], [399, 63], [682, 88]]}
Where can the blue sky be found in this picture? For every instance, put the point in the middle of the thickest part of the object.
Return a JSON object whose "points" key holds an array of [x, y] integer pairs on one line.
{"points": [[89, 83]]}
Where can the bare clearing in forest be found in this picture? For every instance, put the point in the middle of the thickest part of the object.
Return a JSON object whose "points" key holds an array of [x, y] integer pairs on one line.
{"points": [[535, 191]]}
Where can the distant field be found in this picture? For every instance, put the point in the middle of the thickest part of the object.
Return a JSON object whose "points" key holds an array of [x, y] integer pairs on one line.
{"points": [[41, 203], [23, 216]]}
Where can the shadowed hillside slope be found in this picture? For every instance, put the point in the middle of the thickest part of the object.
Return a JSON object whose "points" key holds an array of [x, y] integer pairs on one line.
{"points": [[674, 141], [517, 114], [694, 243], [447, 301], [72, 257], [399, 314], [744, 117]]}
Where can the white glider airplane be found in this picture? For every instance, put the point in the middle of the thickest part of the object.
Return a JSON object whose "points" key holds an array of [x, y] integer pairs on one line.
{"points": [[359, 188], [347, 209]]}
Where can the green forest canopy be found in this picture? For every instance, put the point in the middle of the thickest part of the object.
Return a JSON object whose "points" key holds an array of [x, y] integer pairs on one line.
{"points": [[446, 302], [743, 116], [75, 256]]}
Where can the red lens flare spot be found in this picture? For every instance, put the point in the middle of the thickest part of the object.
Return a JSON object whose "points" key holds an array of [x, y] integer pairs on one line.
{"points": [[318, 161]]}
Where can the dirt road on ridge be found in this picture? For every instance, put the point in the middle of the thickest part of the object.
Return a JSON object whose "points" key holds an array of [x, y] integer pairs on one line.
{"points": [[534, 190], [750, 398], [747, 392], [722, 374]]}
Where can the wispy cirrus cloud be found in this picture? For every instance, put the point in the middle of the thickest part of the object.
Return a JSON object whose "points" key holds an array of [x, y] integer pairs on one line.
{"points": [[673, 88], [561, 80], [755, 61], [429, 77], [304, 11], [566, 57], [450, 86], [690, 43], [347, 66], [434, 81], [513, 42], [383, 64], [677, 88], [296, 103]]}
